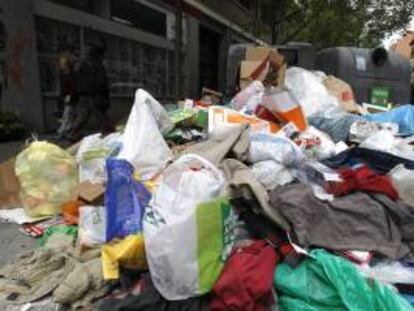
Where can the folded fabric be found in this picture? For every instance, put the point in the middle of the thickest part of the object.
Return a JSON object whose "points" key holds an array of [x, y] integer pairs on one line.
{"points": [[358, 221], [246, 281], [327, 282], [364, 179], [380, 162]]}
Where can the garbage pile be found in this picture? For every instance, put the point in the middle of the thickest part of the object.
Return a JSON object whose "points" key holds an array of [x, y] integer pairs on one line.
{"points": [[289, 197]]}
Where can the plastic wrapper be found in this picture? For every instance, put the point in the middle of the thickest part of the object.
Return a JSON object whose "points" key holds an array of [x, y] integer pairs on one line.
{"points": [[403, 116], [312, 95], [48, 178], [92, 225], [272, 174], [327, 282]]}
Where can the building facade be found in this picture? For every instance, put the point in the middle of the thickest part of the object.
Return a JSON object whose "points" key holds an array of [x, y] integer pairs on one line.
{"points": [[141, 46]]}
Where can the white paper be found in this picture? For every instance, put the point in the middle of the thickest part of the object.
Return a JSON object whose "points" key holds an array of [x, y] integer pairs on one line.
{"points": [[19, 216]]}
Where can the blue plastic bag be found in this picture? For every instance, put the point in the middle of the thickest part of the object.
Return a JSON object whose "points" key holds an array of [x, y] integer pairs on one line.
{"points": [[403, 116], [125, 200]]}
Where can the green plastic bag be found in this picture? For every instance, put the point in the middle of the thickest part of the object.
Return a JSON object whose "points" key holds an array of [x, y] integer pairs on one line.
{"points": [[48, 178], [326, 282]]}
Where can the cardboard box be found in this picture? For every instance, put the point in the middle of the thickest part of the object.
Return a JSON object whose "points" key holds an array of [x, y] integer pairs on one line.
{"points": [[257, 53], [9, 186], [247, 68], [91, 193]]}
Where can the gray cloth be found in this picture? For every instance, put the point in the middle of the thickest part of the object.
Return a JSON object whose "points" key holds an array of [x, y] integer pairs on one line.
{"points": [[358, 221], [219, 144]]}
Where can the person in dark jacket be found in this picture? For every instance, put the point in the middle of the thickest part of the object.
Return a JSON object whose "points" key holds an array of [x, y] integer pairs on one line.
{"points": [[67, 96], [92, 90]]}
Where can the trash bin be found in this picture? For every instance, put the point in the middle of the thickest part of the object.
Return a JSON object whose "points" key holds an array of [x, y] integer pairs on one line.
{"points": [[371, 72], [299, 54]]}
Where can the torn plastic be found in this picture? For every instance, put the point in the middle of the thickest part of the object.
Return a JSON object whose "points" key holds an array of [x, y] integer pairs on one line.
{"points": [[315, 144], [389, 272]]}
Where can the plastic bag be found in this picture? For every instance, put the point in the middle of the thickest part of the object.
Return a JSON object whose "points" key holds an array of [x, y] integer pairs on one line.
{"points": [[327, 282], [403, 116], [125, 200], [48, 178], [187, 229], [315, 144], [385, 141], [403, 181], [248, 99], [128, 253], [271, 147], [272, 174], [142, 142], [92, 153], [312, 95], [92, 225], [389, 272], [361, 130]]}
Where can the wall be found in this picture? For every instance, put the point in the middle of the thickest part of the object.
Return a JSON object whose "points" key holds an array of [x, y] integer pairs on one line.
{"points": [[23, 92]]}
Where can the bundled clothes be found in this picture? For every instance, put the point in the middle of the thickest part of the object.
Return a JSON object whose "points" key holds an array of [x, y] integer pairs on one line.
{"points": [[358, 221]]}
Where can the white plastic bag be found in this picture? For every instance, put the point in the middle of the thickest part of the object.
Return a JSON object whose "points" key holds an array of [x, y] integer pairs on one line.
{"points": [[185, 229], [91, 156], [92, 225], [272, 174], [403, 181], [312, 95], [388, 272], [385, 141], [142, 142]]}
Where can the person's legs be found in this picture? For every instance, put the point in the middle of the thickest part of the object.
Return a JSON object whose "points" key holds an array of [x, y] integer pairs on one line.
{"points": [[83, 110]]}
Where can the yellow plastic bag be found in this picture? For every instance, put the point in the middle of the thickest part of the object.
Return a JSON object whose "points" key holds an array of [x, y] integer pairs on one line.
{"points": [[129, 253], [48, 178]]}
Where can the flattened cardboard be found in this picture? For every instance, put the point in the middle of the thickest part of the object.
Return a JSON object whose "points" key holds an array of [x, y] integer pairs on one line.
{"points": [[257, 53]]}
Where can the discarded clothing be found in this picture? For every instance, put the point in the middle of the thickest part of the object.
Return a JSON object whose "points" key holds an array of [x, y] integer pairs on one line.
{"points": [[379, 161], [149, 299], [221, 142], [363, 179], [358, 221], [246, 281], [327, 282], [337, 128], [242, 183], [261, 227]]}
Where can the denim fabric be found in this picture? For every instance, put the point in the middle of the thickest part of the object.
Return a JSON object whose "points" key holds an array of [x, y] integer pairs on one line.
{"points": [[336, 128]]}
